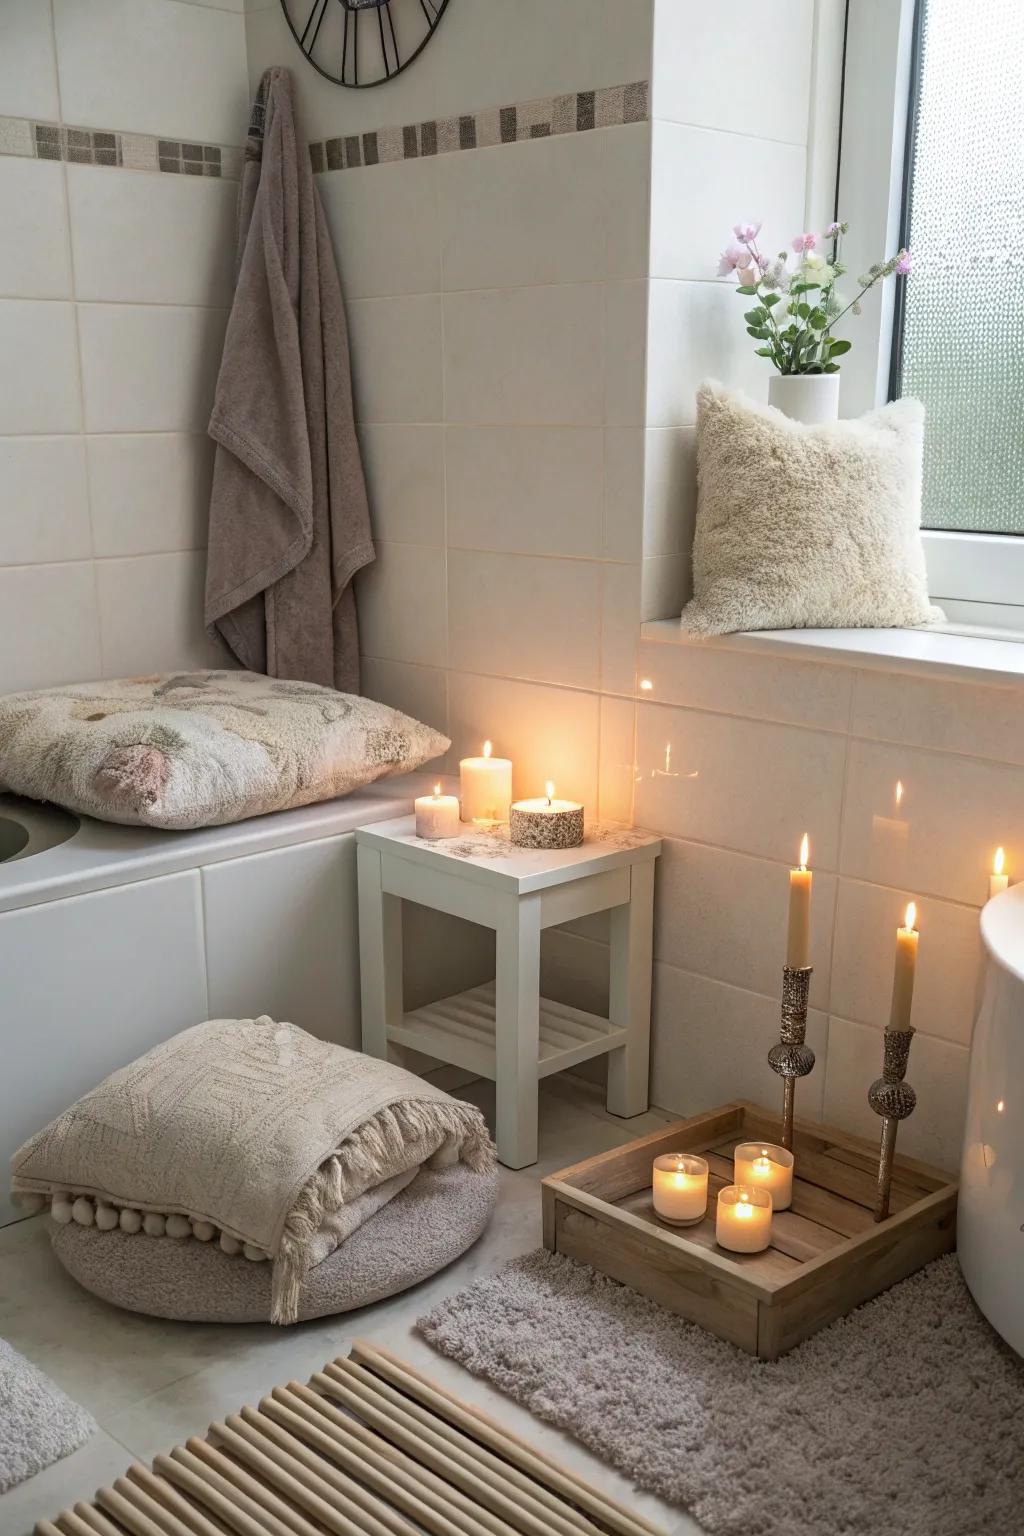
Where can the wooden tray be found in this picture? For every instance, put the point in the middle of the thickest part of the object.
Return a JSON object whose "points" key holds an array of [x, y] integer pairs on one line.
{"points": [[827, 1255]]}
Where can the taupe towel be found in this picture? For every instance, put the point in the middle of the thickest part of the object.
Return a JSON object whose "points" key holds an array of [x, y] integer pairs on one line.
{"points": [[289, 523]]}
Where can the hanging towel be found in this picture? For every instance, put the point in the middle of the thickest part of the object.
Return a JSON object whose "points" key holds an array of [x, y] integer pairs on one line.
{"points": [[289, 522]]}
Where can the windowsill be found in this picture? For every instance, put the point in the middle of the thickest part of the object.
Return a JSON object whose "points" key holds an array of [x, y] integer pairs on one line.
{"points": [[951, 651]]}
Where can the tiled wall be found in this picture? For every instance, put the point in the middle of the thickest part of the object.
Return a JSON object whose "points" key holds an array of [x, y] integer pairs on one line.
{"points": [[120, 127]]}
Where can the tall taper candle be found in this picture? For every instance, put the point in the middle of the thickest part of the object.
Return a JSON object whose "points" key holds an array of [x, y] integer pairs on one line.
{"points": [[798, 941], [903, 971]]}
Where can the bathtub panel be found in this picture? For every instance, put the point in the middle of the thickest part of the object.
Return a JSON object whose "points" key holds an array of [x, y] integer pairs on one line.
{"points": [[282, 937], [89, 983]]}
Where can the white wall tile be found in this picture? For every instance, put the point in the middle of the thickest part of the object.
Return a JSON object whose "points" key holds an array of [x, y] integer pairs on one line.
{"points": [[617, 759], [34, 250], [146, 65], [149, 368], [627, 199], [28, 77], [711, 68], [954, 812], [948, 962], [724, 915], [150, 492], [670, 490], [664, 586], [700, 178], [421, 692], [928, 712], [696, 331], [404, 469], [151, 615], [620, 626], [549, 341], [525, 489], [739, 783], [520, 616], [402, 605], [152, 239], [623, 493], [739, 683], [384, 227], [710, 1045], [396, 358], [937, 1071], [625, 353], [549, 733], [44, 500], [49, 632], [41, 394], [532, 212]]}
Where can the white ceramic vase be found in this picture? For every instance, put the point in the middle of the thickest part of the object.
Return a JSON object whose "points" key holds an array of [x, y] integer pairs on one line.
{"points": [[812, 398]]}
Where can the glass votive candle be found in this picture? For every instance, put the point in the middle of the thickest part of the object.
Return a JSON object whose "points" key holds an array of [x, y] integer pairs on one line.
{"points": [[766, 1167], [744, 1220], [680, 1188]]}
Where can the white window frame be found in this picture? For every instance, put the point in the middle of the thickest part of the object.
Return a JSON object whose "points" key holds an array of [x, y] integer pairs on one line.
{"points": [[977, 577]]}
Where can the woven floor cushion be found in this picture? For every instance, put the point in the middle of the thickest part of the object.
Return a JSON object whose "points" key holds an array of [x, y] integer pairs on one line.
{"points": [[425, 1227]]}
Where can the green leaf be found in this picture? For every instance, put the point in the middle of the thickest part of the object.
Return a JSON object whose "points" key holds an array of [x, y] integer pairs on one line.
{"points": [[818, 319], [762, 351], [803, 310], [837, 346], [804, 286], [746, 288], [770, 298], [759, 331], [831, 367], [756, 316]]}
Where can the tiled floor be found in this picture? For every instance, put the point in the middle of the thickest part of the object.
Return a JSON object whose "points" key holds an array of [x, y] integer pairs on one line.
{"points": [[150, 1384]]}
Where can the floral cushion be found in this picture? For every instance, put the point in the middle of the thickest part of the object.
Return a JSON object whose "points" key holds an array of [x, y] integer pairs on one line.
{"points": [[197, 749]]}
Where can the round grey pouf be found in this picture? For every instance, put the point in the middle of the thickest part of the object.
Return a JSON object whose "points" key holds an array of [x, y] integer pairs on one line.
{"points": [[434, 1219]]}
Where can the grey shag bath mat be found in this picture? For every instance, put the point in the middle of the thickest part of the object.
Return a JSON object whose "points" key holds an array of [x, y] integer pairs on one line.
{"points": [[38, 1422], [904, 1419]]}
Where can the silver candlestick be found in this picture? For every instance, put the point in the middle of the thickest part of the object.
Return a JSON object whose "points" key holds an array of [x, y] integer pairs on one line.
{"points": [[792, 1058], [893, 1099]]}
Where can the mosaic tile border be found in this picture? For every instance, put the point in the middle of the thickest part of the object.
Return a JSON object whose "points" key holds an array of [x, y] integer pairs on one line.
{"points": [[127, 151], [577, 112]]}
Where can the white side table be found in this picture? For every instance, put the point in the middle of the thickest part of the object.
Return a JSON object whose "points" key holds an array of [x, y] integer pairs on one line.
{"points": [[505, 1030]]}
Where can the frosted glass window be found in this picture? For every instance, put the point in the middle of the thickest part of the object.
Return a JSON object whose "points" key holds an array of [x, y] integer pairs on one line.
{"points": [[961, 347]]}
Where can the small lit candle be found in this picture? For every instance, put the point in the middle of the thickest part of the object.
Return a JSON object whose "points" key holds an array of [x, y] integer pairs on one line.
{"points": [[998, 880], [437, 815], [903, 970], [798, 941], [680, 1188], [766, 1167], [547, 823], [485, 785], [744, 1219]]}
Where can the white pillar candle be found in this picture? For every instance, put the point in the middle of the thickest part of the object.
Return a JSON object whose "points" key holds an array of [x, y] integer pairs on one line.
{"points": [[798, 939], [744, 1220], [998, 880], [904, 969], [764, 1166], [437, 815], [485, 785], [680, 1188]]}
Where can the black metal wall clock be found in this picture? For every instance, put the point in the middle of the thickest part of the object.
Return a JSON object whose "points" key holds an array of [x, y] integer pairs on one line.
{"points": [[360, 43]]}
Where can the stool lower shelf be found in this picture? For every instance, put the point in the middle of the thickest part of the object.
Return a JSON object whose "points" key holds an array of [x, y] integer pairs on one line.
{"points": [[460, 1030]]}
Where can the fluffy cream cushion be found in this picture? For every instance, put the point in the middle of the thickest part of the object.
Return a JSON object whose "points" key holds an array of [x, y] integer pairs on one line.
{"points": [[196, 749], [802, 527]]}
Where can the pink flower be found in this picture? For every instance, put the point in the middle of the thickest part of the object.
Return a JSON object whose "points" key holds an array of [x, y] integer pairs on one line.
{"points": [[731, 258], [747, 276], [833, 230], [903, 263], [746, 232], [805, 242]]}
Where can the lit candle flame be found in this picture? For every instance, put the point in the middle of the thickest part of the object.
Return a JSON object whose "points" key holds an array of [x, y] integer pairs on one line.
{"points": [[899, 790], [805, 850], [744, 1210], [549, 790], [910, 917], [998, 862], [487, 749], [646, 684], [437, 791]]}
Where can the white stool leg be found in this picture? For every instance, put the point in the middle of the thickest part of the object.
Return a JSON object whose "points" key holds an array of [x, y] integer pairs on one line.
{"points": [[517, 1030], [632, 928], [380, 954]]}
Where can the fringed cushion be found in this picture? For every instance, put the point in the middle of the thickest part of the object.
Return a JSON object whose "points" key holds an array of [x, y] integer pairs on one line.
{"points": [[197, 749], [275, 1144]]}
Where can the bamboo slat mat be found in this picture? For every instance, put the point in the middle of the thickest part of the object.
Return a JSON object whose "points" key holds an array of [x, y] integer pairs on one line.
{"points": [[369, 1447]]}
